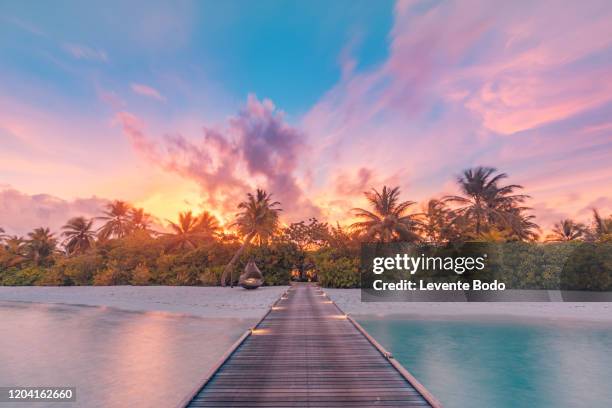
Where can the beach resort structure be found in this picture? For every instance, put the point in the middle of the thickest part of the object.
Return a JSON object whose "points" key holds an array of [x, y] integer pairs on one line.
{"points": [[305, 352]]}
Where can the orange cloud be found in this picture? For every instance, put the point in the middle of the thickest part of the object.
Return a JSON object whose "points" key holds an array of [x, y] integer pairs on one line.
{"points": [[256, 149]]}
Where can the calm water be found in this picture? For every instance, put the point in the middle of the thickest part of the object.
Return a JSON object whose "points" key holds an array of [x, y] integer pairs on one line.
{"points": [[119, 359], [113, 358], [480, 365]]}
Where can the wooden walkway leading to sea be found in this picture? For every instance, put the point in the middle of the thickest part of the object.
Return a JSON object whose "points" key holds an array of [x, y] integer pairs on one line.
{"points": [[307, 353]]}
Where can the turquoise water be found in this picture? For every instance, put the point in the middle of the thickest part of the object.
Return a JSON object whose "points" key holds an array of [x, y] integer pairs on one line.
{"points": [[483, 364]]}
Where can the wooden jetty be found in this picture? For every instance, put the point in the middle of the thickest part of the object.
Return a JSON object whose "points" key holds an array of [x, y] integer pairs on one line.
{"points": [[305, 352]]}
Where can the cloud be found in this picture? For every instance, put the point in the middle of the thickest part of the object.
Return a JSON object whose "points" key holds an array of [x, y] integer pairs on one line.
{"points": [[25, 25], [255, 149], [524, 87], [147, 91], [82, 52], [20, 213]]}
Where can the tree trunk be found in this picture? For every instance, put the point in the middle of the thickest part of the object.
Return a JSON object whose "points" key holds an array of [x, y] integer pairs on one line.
{"points": [[228, 268]]}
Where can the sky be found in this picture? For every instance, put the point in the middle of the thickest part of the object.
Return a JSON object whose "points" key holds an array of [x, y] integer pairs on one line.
{"points": [[189, 105]]}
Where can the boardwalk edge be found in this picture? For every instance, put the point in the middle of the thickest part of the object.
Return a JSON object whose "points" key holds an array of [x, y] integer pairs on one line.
{"points": [[396, 364], [211, 373]]}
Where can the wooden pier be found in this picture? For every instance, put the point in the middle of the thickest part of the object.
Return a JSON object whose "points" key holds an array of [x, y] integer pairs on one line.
{"points": [[306, 352]]}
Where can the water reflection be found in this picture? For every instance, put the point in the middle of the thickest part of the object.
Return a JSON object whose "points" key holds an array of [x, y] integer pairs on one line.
{"points": [[472, 364], [114, 358]]}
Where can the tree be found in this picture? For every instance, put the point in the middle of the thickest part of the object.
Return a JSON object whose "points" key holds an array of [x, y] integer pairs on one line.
{"points": [[116, 220], [436, 221], [523, 228], [257, 221], [208, 225], [41, 245], [601, 226], [307, 236], [388, 221], [79, 235], [185, 232], [566, 230], [139, 220], [14, 251], [190, 230], [484, 202]]}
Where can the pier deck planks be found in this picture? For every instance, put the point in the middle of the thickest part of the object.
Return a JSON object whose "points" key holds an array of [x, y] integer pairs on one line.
{"points": [[306, 353]]}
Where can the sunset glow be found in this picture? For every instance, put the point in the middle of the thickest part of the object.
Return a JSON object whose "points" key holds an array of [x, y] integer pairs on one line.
{"points": [[191, 106]]}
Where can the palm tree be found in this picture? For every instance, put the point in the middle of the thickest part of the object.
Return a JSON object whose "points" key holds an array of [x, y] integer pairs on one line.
{"points": [[185, 232], [139, 220], [117, 223], [40, 245], [601, 226], [388, 220], [257, 221], [523, 228], [566, 230], [436, 220], [208, 225], [485, 203], [79, 235], [15, 248]]}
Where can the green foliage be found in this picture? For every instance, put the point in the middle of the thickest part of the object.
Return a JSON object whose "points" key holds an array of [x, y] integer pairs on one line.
{"points": [[21, 277], [336, 272], [141, 275], [77, 270], [112, 275], [211, 276], [133, 250], [570, 265], [275, 261], [182, 269]]}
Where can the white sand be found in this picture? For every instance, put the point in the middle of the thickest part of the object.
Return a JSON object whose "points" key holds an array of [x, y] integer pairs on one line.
{"points": [[213, 302], [219, 302], [349, 300]]}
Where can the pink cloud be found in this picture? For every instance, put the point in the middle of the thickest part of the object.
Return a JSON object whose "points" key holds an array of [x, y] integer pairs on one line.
{"points": [[147, 91], [519, 86], [20, 212], [255, 149]]}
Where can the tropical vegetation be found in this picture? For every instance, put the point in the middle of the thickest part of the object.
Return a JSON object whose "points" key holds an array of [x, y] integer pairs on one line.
{"points": [[126, 246]]}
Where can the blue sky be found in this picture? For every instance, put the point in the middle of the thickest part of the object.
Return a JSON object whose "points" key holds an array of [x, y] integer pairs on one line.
{"points": [[287, 51]]}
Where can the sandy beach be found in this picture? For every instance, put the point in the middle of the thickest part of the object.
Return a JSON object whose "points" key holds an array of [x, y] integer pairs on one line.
{"points": [[215, 302], [349, 300]]}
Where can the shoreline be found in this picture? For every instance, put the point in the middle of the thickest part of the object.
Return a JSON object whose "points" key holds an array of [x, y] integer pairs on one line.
{"points": [[204, 302], [218, 302], [349, 300]]}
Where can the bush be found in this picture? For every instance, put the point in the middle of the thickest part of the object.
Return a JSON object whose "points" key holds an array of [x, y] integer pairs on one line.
{"points": [[141, 275], [112, 275], [336, 271], [136, 249], [211, 276], [21, 277], [78, 269], [183, 269]]}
